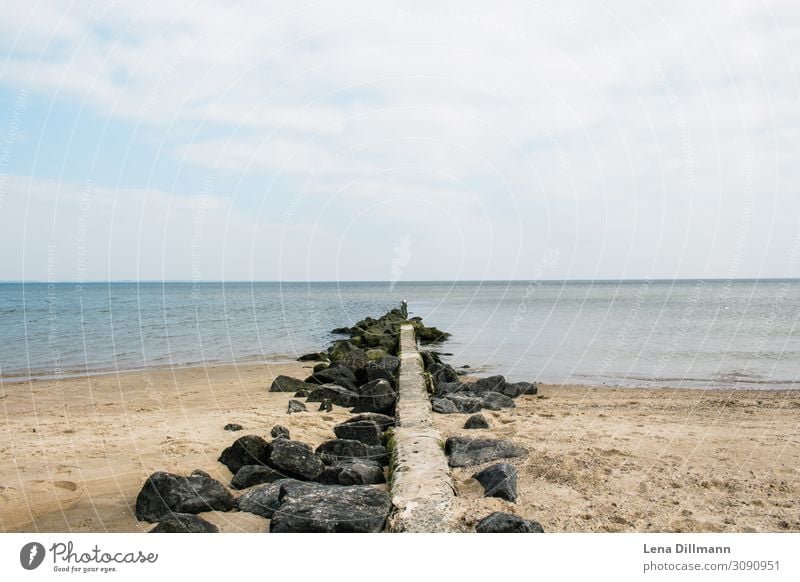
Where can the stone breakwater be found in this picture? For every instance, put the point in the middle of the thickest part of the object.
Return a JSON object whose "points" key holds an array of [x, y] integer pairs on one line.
{"points": [[339, 485]]}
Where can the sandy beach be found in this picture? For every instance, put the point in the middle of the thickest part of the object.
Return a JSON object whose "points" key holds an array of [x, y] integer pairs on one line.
{"points": [[74, 453]]}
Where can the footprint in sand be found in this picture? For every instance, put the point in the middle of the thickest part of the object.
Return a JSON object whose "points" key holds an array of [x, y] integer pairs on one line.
{"points": [[68, 485]]}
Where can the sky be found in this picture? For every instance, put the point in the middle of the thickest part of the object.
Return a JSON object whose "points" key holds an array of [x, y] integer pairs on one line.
{"points": [[399, 140]]}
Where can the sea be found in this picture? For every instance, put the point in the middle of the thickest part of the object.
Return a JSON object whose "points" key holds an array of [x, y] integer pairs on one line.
{"points": [[740, 334]]}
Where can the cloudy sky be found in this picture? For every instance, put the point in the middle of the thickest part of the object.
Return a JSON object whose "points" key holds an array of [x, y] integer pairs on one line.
{"points": [[396, 140]]}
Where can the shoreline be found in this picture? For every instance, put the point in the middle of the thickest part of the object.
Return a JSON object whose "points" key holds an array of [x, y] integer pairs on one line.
{"points": [[74, 453], [284, 359]]}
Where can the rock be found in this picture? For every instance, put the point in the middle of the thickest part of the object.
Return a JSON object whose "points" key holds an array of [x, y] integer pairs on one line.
{"points": [[381, 420], [184, 523], [384, 369], [429, 358], [499, 480], [246, 450], [263, 500], [356, 360], [476, 421], [313, 357], [165, 493], [342, 331], [499, 522], [376, 396], [294, 459], [466, 451], [337, 450], [365, 431], [519, 388], [288, 384], [326, 405], [444, 389], [321, 366], [340, 349], [319, 508], [336, 394], [490, 384], [442, 373], [296, 406], [375, 354], [430, 335], [338, 375], [279, 432], [352, 472], [251, 475], [496, 401], [233, 427], [443, 406], [465, 404], [301, 394]]}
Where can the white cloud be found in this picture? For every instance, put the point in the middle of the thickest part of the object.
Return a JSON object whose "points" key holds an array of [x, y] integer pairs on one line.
{"points": [[610, 131]]}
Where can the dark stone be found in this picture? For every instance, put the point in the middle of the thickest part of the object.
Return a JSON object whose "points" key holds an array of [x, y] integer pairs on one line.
{"points": [[381, 420], [301, 394], [490, 384], [184, 523], [294, 459], [338, 375], [340, 349], [296, 406], [313, 357], [288, 384], [429, 358], [326, 405], [496, 401], [233, 427], [353, 472], [465, 404], [337, 450], [476, 421], [279, 432], [336, 394], [365, 431], [376, 396], [165, 493], [251, 475], [442, 373], [430, 335], [385, 368], [499, 480], [342, 331], [320, 508], [356, 360], [443, 406], [246, 450], [443, 389], [263, 500], [466, 451], [519, 388], [321, 366], [499, 522]]}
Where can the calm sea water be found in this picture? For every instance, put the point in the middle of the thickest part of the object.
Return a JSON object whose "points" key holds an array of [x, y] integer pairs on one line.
{"points": [[741, 334]]}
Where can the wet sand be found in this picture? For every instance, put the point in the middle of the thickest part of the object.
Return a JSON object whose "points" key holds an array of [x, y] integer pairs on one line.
{"points": [[74, 453]]}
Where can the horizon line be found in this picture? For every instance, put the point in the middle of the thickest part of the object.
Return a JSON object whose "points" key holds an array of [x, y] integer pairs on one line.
{"points": [[387, 281]]}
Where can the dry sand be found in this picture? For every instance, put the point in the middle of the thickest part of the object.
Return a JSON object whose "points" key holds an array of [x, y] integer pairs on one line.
{"points": [[74, 453]]}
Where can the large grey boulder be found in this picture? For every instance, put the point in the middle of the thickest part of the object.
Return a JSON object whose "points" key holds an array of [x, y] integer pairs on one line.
{"points": [[499, 480], [319, 508], [294, 459], [499, 522], [466, 451], [165, 493]]}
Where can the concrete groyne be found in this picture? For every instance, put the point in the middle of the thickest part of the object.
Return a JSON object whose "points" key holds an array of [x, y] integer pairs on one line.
{"points": [[421, 486]]}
